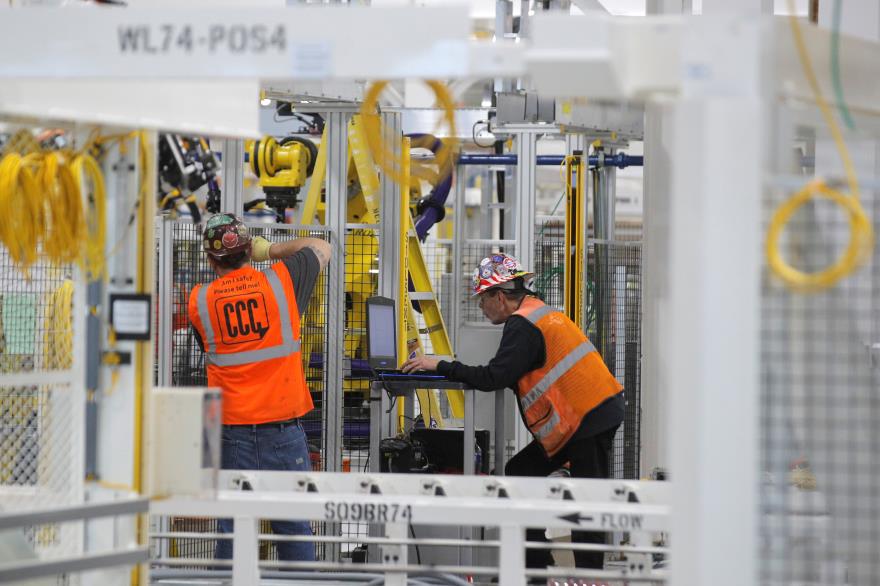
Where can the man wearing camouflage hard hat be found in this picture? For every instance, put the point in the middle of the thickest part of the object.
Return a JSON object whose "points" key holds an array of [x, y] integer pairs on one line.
{"points": [[247, 322], [568, 399]]}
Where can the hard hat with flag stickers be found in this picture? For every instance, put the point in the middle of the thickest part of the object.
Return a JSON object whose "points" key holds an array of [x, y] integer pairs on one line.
{"points": [[498, 269]]}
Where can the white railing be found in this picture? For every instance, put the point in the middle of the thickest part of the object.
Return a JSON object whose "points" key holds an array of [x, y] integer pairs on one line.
{"points": [[396, 503]]}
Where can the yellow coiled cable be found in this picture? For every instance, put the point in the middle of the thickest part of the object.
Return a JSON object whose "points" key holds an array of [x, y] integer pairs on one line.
{"points": [[23, 224], [861, 243], [390, 164], [41, 201], [58, 339], [90, 178], [65, 236]]}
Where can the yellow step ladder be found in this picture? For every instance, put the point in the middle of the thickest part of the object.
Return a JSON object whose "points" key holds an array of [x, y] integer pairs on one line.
{"points": [[413, 268], [363, 208]]}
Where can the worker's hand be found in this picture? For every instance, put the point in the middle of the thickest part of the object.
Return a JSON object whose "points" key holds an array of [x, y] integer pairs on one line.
{"points": [[260, 249], [420, 363]]}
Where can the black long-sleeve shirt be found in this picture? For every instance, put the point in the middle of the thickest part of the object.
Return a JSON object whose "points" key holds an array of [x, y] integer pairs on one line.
{"points": [[521, 350]]}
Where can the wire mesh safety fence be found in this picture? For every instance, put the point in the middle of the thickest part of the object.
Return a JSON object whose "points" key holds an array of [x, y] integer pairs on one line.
{"points": [[41, 421], [190, 267], [361, 282], [550, 255], [437, 254], [36, 327], [613, 310], [627, 230], [820, 407], [550, 260]]}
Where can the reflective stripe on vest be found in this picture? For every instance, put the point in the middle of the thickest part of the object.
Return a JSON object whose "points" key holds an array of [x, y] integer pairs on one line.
{"points": [[548, 427], [539, 313], [287, 346], [555, 373], [206, 319]]}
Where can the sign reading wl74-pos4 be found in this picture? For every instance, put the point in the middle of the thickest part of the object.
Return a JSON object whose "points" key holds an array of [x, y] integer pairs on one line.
{"points": [[326, 42]]}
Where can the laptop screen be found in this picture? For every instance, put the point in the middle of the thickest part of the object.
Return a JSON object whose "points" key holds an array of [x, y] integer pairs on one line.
{"points": [[381, 338]]}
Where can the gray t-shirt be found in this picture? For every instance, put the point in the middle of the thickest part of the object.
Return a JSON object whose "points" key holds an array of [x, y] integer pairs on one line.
{"points": [[304, 269]]}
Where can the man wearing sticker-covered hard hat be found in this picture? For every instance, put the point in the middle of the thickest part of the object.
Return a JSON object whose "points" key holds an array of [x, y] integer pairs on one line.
{"points": [[567, 398], [247, 322]]}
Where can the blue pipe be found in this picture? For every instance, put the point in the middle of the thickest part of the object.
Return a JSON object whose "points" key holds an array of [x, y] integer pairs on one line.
{"points": [[619, 160]]}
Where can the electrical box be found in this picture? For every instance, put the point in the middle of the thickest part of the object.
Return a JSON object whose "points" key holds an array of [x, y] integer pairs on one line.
{"points": [[184, 440]]}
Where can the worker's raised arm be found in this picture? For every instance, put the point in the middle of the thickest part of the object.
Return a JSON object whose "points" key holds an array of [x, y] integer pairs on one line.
{"points": [[321, 248]]}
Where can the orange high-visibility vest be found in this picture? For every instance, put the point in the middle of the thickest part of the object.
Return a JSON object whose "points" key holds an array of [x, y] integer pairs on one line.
{"points": [[573, 381], [249, 324]]}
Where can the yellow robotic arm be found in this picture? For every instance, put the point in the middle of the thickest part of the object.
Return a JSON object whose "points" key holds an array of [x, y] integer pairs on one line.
{"points": [[282, 168]]}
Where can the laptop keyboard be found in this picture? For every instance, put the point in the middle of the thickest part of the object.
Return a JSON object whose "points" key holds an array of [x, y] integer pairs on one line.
{"points": [[418, 375]]}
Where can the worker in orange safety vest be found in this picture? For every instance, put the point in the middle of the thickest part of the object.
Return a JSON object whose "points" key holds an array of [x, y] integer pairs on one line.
{"points": [[568, 399], [248, 323]]}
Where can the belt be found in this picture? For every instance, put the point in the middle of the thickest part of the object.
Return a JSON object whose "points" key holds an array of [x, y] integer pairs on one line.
{"points": [[270, 424]]}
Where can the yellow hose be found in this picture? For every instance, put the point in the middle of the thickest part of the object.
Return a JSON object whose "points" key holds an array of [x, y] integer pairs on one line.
{"points": [[390, 164], [23, 224], [861, 244], [66, 229], [58, 339], [90, 178], [41, 201], [857, 252]]}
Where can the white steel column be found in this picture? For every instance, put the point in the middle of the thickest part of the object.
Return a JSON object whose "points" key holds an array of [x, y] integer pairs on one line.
{"points": [[655, 286], [486, 221], [511, 557], [713, 301], [391, 200], [336, 179], [245, 551], [394, 555], [458, 212], [337, 200], [526, 152], [233, 176], [165, 295], [503, 27], [116, 411], [389, 212], [524, 218]]}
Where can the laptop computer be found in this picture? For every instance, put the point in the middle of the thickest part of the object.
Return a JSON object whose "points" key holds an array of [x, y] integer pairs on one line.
{"points": [[382, 343]]}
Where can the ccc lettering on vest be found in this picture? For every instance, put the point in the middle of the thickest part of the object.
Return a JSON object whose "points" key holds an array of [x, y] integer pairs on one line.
{"points": [[242, 318]]}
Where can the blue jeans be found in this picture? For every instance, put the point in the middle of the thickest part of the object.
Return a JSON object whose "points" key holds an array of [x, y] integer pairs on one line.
{"points": [[281, 446]]}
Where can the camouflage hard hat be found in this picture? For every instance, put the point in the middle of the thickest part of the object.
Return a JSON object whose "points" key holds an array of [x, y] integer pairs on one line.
{"points": [[225, 234]]}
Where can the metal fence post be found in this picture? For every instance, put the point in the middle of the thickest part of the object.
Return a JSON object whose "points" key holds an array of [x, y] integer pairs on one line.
{"points": [[233, 176], [337, 198]]}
